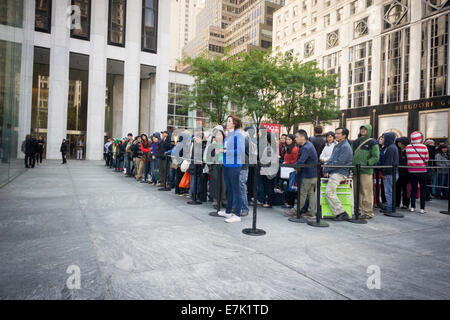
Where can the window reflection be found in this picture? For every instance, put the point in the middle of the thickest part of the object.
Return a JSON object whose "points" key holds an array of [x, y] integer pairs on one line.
{"points": [[117, 18], [149, 25], [85, 20]]}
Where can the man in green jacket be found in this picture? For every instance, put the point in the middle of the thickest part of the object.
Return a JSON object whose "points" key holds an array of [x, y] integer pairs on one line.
{"points": [[366, 153]]}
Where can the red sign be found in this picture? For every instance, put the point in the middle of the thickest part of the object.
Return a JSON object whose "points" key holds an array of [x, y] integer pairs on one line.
{"points": [[272, 127]]}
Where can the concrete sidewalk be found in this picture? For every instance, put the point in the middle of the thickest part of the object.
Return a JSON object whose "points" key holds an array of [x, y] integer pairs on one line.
{"points": [[131, 241]]}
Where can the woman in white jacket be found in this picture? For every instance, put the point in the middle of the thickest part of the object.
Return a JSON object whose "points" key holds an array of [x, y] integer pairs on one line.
{"points": [[328, 149]]}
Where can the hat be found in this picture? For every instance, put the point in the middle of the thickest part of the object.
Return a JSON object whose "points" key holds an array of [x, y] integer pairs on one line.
{"points": [[116, 141], [165, 131]]}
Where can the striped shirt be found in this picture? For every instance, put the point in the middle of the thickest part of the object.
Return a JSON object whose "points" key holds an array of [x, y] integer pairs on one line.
{"points": [[414, 159]]}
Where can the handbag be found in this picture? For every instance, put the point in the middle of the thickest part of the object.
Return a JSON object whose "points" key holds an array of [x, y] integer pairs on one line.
{"points": [[292, 186], [285, 172], [185, 182], [185, 165]]}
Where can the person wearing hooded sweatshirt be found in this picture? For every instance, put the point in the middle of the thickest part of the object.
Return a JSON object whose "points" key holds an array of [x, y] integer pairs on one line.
{"points": [[390, 158], [403, 179], [366, 153], [417, 155]]}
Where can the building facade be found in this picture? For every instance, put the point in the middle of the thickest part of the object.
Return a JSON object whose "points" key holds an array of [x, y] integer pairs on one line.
{"points": [[82, 70], [388, 54], [237, 24], [183, 17]]}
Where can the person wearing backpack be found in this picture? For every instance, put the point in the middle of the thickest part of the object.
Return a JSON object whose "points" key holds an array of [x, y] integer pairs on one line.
{"points": [[417, 155]]}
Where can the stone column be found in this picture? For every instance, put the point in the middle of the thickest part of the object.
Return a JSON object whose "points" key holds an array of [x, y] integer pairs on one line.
{"points": [[26, 74], [144, 118], [130, 121], [158, 118], [415, 51], [97, 81], [117, 106], [59, 79]]}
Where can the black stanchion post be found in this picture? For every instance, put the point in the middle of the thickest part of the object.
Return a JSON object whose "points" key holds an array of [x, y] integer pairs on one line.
{"points": [[394, 212], [448, 191], [355, 218], [298, 218], [195, 201], [253, 231], [218, 191], [319, 222], [166, 178]]}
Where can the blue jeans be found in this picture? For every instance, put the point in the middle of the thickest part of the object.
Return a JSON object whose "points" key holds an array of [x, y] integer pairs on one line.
{"points": [[191, 188], [243, 176], [172, 177], [442, 182], [153, 169], [387, 182], [232, 185]]}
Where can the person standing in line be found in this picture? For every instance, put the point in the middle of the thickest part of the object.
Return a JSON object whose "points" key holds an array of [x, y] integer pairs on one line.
{"points": [[342, 156], [137, 156], [431, 146], [154, 158], [127, 157], [329, 146], [401, 195], [290, 157], [308, 176], [390, 158], [417, 155], [243, 176], [233, 152], [145, 147], [366, 153], [40, 149], [63, 150], [163, 151], [268, 180], [215, 178], [441, 158], [318, 140]]}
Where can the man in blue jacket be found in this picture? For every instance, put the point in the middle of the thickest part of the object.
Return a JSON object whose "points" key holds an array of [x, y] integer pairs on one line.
{"points": [[342, 155], [390, 158], [308, 176]]}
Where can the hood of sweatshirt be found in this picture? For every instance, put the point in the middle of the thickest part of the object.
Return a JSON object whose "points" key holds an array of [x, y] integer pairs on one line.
{"points": [[369, 132], [416, 137], [389, 138]]}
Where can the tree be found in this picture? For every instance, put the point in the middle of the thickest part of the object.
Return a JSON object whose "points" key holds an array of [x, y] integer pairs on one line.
{"points": [[255, 85], [306, 93], [211, 90]]}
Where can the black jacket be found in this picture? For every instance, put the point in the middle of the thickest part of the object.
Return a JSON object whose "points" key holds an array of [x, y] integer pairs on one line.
{"points": [[63, 148], [391, 156], [164, 147], [31, 146], [318, 143]]}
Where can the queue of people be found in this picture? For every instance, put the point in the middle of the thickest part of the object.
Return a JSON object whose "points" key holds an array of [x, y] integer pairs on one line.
{"points": [[150, 160]]}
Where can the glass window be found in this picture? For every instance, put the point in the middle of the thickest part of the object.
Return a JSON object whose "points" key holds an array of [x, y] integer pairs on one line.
{"points": [[41, 72], [360, 69], [43, 12], [117, 22], [353, 7], [11, 13], [84, 30], [149, 25], [339, 14]]}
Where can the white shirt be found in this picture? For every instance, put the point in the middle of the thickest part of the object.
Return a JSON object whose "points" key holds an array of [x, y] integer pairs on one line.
{"points": [[327, 151]]}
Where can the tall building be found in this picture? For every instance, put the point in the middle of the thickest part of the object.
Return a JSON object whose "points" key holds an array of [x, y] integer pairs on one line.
{"points": [[391, 57], [237, 24], [81, 70], [183, 17]]}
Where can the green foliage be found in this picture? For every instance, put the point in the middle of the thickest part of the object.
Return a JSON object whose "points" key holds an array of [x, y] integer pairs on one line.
{"points": [[211, 90], [261, 86], [305, 93]]}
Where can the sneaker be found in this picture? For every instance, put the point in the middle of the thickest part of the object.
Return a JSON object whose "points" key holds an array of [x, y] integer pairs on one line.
{"points": [[368, 217], [422, 211], [404, 207], [341, 217], [233, 218], [222, 213], [244, 213], [286, 206], [290, 213], [412, 210]]}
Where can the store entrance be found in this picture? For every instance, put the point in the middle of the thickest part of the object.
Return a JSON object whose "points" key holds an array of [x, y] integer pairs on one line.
{"points": [[77, 145]]}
